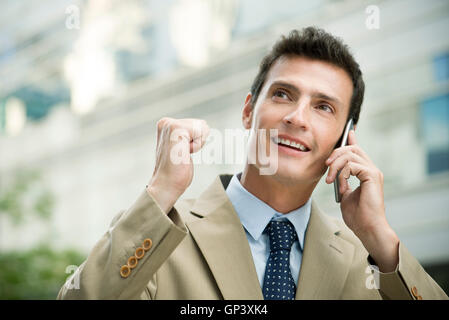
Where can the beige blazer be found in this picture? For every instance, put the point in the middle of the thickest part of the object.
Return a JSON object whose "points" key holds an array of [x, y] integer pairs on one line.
{"points": [[200, 251]]}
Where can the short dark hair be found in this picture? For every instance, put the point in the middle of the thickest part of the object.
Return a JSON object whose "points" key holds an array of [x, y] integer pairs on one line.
{"points": [[314, 43]]}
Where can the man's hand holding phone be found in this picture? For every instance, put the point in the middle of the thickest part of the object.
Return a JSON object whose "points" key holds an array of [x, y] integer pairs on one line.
{"points": [[363, 209]]}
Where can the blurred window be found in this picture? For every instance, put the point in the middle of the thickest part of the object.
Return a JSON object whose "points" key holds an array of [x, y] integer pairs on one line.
{"points": [[2, 116], [441, 67], [435, 130]]}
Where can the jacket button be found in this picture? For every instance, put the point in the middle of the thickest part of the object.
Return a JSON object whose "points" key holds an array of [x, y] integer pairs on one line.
{"points": [[125, 271], [415, 292], [139, 253], [132, 262], [147, 243]]}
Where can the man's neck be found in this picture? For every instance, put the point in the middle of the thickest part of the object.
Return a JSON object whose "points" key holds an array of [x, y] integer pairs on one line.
{"points": [[280, 196]]}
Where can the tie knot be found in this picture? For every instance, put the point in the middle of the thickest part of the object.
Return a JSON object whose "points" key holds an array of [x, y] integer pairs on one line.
{"points": [[282, 235]]}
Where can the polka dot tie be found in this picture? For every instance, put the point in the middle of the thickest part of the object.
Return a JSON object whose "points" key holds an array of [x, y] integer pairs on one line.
{"points": [[278, 282]]}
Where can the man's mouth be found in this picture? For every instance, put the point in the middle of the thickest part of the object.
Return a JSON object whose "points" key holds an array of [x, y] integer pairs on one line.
{"points": [[290, 144]]}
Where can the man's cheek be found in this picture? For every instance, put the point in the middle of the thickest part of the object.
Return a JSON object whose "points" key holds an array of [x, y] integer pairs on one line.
{"points": [[327, 150], [321, 157]]}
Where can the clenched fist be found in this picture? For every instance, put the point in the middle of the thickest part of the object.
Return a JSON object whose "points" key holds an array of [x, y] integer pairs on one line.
{"points": [[173, 172]]}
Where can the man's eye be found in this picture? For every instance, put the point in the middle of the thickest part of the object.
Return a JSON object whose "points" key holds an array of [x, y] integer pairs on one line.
{"points": [[325, 107], [280, 94]]}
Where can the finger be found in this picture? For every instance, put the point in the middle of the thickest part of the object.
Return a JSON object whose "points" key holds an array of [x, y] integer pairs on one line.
{"points": [[161, 129], [343, 177], [361, 172], [352, 141], [200, 138], [351, 137], [338, 151], [347, 191], [343, 181], [342, 150], [198, 131], [339, 163]]}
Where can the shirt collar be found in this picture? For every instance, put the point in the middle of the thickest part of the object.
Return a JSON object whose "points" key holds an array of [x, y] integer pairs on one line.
{"points": [[256, 214]]}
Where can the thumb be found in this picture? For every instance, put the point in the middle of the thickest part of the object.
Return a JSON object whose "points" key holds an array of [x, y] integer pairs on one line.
{"points": [[199, 140], [346, 191]]}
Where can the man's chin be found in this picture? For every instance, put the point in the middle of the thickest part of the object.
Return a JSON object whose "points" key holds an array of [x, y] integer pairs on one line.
{"points": [[290, 176]]}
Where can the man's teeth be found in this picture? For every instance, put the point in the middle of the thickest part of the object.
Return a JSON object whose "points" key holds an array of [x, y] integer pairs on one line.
{"points": [[290, 143]]}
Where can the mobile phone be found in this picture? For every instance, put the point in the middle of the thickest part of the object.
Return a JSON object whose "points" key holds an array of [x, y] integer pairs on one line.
{"points": [[344, 141]]}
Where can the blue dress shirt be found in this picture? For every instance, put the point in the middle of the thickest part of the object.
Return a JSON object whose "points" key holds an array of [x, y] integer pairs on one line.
{"points": [[255, 216]]}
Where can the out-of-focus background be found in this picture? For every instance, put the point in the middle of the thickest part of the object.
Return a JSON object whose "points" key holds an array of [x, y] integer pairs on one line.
{"points": [[83, 83]]}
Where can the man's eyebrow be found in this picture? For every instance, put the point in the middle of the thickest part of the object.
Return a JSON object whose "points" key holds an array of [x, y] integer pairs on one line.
{"points": [[285, 85], [323, 96], [316, 95]]}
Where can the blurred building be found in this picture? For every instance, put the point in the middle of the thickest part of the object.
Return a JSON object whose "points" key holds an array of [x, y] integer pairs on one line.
{"points": [[83, 83]]}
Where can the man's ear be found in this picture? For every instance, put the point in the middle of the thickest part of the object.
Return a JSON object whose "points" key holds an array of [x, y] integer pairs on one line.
{"points": [[247, 113]]}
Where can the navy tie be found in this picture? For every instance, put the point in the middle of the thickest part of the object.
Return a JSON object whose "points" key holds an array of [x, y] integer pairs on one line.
{"points": [[278, 283]]}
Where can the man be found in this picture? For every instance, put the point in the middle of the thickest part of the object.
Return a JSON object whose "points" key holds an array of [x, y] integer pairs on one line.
{"points": [[261, 236]]}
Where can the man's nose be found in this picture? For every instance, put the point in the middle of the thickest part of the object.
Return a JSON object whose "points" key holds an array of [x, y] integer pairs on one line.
{"points": [[299, 117]]}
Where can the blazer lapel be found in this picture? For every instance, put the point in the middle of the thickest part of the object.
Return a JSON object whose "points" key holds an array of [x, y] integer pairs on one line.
{"points": [[326, 259], [222, 241]]}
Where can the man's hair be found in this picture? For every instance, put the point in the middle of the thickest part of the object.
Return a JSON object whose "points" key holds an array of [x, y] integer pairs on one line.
{"points": [[314, 43]]}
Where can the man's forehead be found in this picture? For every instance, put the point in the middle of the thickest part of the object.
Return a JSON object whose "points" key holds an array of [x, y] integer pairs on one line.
{"points": [[288, 65]]}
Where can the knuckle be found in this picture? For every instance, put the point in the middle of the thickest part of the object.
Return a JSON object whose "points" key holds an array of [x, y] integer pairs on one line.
{"points": [[176, 124], [353, 149], [346, 152], [344, 160], [163, 122], [381, 175], [164, 119], [199, 124]]}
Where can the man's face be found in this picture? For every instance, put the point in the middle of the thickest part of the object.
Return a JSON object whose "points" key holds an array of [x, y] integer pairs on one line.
{"points": [[307, 100]]}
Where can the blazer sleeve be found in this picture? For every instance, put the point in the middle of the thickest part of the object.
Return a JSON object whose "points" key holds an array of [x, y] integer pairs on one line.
{"points": [[107, 272], [408, 281]]}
